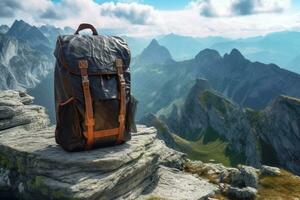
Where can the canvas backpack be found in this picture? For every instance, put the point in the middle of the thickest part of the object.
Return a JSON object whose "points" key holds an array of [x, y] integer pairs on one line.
{"points": [[94, 106]]}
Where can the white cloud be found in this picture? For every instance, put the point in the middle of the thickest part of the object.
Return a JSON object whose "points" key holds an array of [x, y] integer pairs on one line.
{"points": [[235, 18], [226, 8], [132, 12]]}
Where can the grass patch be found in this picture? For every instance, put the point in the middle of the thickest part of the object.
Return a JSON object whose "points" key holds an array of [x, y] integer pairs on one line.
{"points": [[210, 146], [285, 186]]}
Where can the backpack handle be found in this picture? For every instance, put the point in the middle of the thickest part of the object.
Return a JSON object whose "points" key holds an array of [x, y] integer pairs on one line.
{"points": [[86, 26]]}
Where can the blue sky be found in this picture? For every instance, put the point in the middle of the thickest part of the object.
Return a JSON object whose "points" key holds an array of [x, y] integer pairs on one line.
{"points": [[148, 18]]}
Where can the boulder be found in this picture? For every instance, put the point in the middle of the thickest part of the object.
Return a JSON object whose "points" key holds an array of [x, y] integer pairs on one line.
{"points": [[6, 112], [269, 171], [33, 166], [241, 193], [245, 177], [16, 111], [175, 184]]}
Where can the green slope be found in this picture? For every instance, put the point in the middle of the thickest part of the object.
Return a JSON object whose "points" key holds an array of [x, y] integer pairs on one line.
{"points": [[210, 146]]}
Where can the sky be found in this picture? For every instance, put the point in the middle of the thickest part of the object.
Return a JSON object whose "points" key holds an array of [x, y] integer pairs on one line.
{"points": [[149, 18]]}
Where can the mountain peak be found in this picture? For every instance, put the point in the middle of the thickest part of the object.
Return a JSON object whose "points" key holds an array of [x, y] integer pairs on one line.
{"points": [[24, 31], [155, 53], [208, 54], [153, 43], [18, 27], [235, 58], [236, 54]]}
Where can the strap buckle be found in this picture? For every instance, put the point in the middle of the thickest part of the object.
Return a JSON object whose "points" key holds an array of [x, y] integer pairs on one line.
{"points": [[85, 79], [83, 64], [121, 118]]}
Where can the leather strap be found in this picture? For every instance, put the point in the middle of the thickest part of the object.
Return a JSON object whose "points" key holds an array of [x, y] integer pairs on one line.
{"points": [[119, 66], [86, 26], [105, 133], [89, 115]]}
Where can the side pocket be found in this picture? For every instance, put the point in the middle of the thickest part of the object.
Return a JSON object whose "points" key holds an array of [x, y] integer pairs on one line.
{"points": [[130, 121], [68, 130]]}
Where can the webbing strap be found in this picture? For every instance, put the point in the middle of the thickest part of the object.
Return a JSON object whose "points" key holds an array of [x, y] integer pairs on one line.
{"points": [[105, 133], [122, 94], [89, 115]]}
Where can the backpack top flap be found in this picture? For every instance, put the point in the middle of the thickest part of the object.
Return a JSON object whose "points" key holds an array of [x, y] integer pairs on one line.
{"points": [[100, 51]]}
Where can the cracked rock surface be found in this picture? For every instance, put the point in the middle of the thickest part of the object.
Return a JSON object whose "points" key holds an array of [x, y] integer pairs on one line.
{"points": [[33, 166]]}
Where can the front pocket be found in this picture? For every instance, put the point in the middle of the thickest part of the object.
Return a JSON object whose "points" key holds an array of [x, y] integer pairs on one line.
{"points": [[68, 130]]}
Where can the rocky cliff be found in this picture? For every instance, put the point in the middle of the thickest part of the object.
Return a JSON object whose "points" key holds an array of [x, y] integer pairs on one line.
{"points": [[207, 118], [34, 167]]}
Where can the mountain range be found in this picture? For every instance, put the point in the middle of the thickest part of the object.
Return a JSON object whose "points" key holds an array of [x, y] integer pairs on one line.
{"points": [[250, 84], [238, 111], [280, 48]]}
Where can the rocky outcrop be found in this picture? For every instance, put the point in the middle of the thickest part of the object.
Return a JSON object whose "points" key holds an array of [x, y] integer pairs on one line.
{"points": [[235, 183], [278, 125], [15, 111], [269, 136], [33, 166], [205, 112]]}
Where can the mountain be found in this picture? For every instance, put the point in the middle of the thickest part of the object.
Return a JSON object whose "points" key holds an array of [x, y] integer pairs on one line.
{"points": [[30, 35], [154, 53], [185, 47], [296, 64], [3, 29], [51, 32], [137, 44], [210, 126], [25, 56], [279, 48], [250, 84]]}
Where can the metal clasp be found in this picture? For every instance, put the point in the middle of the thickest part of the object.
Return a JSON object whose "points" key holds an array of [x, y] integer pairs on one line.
{"points": [[83, 64]]}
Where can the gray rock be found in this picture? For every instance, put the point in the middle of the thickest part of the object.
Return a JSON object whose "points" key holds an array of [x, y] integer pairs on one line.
{"points": [[269, 171], [247, 176], [123, 171], [176, 185], [15, 111], [33, 166], [242, 193], [6, 112]]}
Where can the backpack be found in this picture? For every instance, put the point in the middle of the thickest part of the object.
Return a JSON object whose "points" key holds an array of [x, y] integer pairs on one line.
{"points": [[94, 106]]}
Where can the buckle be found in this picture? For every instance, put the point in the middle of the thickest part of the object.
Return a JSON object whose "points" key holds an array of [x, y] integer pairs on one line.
{"points": [[119, 63], [85, 79], [90, 122], [83, 64], [121, 118]]}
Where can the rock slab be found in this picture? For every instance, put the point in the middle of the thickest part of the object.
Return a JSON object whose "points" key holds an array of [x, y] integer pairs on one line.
{"points": [[33, 166]]}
